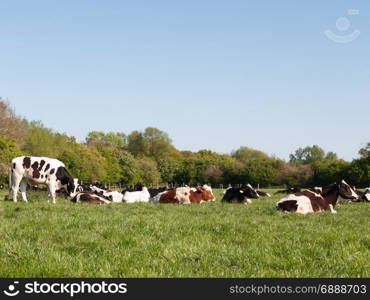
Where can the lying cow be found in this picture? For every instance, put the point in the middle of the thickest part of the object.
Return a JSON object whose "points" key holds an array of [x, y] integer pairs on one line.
{"points": [[240, 195], [29, 170], [155, 191], [114, 196], [91, 198], [309, 201], [138, 196], [366, 195], [137, 188], [262, 194], [185, 195], [288, 191]]}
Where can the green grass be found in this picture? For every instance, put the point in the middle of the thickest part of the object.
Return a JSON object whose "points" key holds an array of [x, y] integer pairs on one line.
{"points": [[39, 239]]}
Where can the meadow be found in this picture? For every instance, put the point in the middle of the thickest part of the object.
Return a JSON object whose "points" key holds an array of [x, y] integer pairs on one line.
{"points": [[39, 239]]}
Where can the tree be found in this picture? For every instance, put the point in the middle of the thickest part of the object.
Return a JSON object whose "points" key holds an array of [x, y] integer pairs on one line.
{"points": [[8, 150], [114, 139], [308, 155], [152, 143], [248, 154], [149, 174], [12, 126], [365, 152], [136, 144], [329, 171], [295, 175], [42, 141]]}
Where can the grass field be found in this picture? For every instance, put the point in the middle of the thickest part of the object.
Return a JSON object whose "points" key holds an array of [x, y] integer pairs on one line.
{"points": [[39, 239]]}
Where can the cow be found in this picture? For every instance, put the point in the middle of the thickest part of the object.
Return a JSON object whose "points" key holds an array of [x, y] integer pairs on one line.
{"points": [[263, 194], [240, 195], [186, 195], [113, 196], [40, 170], [137, 196], [309, 201], [136, 188], [366, 195], [291, 190], [155, 191], [1, 186], [90, 197]]}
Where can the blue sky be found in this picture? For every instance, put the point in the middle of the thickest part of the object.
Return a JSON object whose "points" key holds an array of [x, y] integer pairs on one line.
{"points": [[212, 74]]}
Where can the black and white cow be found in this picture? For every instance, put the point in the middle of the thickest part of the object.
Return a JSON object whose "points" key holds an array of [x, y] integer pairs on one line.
{"points": [[263, 194], [90, 197], [240, 195], [291, 190], [317, 199], [40, 170], [113, 196], [366, 195]]}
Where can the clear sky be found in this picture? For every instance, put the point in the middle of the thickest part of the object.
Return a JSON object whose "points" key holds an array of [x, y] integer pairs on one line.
{"points": [[212, 74]]}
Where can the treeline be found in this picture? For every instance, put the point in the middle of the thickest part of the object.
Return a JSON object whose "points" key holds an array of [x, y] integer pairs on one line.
{"points": [[149, 157]]}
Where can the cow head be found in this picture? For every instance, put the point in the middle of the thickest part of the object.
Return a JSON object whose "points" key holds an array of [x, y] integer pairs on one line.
{"points": [[208, 193], [346, 192], [204, 193]]}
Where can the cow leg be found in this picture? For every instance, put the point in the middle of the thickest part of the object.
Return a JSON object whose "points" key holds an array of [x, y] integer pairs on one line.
{"points": [[332, 210], [23, 188], [16, 180], [52, 192]]}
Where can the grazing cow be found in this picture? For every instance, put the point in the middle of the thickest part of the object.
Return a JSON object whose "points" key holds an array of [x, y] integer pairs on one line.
{"points": [[263, 194], [240, 195], [309, 201], [186, 195], [366, 195], [138, 196], [40, 170], [89, 197], [289, 191]]}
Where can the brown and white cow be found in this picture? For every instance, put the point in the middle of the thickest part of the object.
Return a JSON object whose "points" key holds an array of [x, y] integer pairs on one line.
{"points": [[186, 195], [324, 199], [91, 198]]}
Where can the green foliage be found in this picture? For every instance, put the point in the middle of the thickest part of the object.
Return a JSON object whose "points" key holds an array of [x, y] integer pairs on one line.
{"points": [[8, 150], [152, 143], [86, 164], [308, 155], [113, 139], [359, 172], [327, 172], [148, 156], [365, 152], [149, 174], [42, 141]]}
